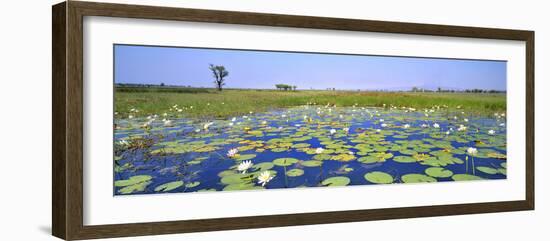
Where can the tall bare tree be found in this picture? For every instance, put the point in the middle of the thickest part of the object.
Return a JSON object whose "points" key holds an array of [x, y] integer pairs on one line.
{"points": [[219, 72]]}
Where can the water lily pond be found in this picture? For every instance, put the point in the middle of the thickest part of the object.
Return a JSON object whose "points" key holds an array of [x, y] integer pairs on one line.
{"points": [[307, 146]]}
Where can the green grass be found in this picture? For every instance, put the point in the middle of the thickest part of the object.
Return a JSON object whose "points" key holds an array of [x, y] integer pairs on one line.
{"points": [[231, 102]]}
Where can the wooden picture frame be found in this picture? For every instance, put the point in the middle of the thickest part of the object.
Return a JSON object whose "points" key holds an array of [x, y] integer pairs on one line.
{"points": [[67, 150]]}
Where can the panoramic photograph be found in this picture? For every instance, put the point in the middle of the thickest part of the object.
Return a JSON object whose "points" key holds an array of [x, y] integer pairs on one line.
{"points": [[203, 119]]}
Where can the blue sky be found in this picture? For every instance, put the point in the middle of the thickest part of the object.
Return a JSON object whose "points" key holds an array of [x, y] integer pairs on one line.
{"points": [[264, 69]]}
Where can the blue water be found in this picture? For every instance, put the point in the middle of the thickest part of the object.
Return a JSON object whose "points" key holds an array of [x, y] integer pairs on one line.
{"points": [[166, 167]]}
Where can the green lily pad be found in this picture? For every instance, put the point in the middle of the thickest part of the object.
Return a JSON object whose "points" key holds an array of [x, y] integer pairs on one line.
{"points": [[245, 157], [404, 159], [295, 172], [237, 178], [343, 157], [336, 181], [416, 178], [133, 180], [379, 177], [240, 186], [263, 166], [487, 170], [284, 162], [169, 186], [192, 184], [322, 157], [465, 177], [133, 184], [438, 172]]}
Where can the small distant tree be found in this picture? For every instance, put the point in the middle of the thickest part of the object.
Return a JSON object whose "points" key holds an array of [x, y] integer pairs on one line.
{"points": [[161, 84], [294, 87], [219, 73]]}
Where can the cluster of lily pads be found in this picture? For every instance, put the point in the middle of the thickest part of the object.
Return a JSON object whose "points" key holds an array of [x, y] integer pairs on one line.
{"points": [[307, 146]]}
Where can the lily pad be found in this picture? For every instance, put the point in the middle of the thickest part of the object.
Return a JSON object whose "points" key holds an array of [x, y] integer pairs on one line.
{"points": [[416, 178], [336, 181], [263, 166], [245, 157], [466, 177], [295, 172], [404, 159], [284, 162], [192, 184], [132, 180], [168, 186], [379, 177], [487, 170], [133, 184], [438, 172]]}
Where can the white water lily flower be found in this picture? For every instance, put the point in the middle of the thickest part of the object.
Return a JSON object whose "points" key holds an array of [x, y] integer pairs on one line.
{"points": [[198, 130], [231, 123], [130, 117], [305, 117], [232, 152], [319, 150], [491, 132], [462, 128], [424, 126], [471, 150], [406, 126], [283, 116], [351, 153], [435, 125], [332, 131], [264, 178], [383, 125], [245, 165], [346, 129], [168, 123], [207, 125], [123, 142], [378, 130], [502, 124], [146, 124], [465, 120], [234, 119], [264, 122], [245, 117], [297, 125], [381, 120], [447, 133]]}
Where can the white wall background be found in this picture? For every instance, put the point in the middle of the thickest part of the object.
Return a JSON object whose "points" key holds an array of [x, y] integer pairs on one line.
{"points": [[25, 119]]}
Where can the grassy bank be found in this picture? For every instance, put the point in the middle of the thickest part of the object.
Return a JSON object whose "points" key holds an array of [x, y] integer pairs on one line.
{"points": [[212, 103]]}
